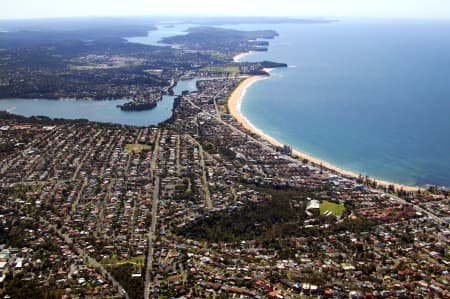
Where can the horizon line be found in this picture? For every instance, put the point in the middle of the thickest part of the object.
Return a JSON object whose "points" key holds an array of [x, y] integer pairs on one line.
{"points": [[327, 18]]}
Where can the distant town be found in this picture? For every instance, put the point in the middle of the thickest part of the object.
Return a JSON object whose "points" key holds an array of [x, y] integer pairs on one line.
{"points": [[114, 69], [198, 206]]}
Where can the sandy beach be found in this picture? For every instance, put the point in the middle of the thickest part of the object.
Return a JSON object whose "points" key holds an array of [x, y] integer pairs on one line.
{"points": [[241, 55], [234, 104]]}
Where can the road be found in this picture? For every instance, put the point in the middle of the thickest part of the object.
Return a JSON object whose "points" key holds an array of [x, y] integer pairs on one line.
{"points": [[79, 195], [233, 128], [155, 155], [24, 152], [178, 155], [417, 207], [80, 164], [151, 233], [216, 107], [86, 258], [206, 193], [266, 146], [204, 179]]}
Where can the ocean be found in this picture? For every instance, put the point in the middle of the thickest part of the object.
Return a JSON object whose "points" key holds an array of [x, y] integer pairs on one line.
{"points": [[369, 96]]}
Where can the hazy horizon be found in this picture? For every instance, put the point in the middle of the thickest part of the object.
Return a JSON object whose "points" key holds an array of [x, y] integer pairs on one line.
{"points": [[414, 9]]}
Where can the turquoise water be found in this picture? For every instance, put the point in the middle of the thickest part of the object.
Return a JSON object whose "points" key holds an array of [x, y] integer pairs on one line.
{"points": [[101, 111], [368, 96]]}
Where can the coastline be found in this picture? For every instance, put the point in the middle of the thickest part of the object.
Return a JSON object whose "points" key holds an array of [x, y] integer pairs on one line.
{"points": [[234, 107], [237, 57]]}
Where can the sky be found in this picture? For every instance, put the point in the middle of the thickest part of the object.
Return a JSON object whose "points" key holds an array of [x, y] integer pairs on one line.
{"points": [[24, 9]]}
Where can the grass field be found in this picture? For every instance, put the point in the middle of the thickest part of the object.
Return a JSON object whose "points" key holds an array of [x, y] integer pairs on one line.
{"points": [[336, 209], [222, 69], [139, 260], [114, 260], [137, 148]]}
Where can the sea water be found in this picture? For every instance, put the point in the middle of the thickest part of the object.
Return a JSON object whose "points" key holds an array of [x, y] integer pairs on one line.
{"points": [[370, 96]]}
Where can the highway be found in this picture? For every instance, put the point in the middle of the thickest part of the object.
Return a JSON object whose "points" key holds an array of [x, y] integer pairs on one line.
{"points": [[294, 160], [206, 193]]}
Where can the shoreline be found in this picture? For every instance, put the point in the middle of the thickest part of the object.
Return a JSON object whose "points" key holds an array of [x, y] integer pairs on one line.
{"points": [[241, 55], [234, 107]]}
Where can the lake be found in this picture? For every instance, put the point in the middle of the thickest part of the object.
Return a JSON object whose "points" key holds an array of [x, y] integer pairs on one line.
{"points": [[101, 111]]}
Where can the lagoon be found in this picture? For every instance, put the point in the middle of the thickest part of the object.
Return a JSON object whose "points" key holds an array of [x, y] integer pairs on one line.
{"points": [[100, 111], [369, 96]]}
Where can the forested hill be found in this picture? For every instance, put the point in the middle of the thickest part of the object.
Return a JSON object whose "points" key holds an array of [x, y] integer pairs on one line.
{"points": [[222, 39]]}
